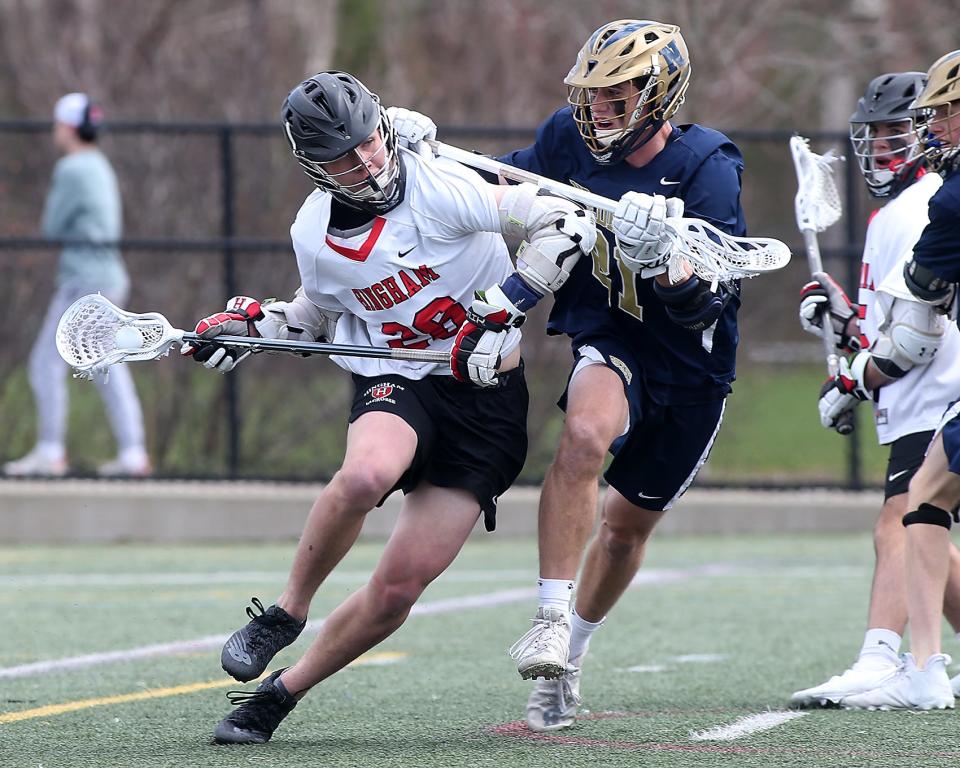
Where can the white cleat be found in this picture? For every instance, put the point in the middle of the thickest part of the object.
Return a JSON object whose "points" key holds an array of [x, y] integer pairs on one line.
{"points": [[542, 652], [860, 678], [36, 464], [121, 467], [955, 685], [553, 704], [910, 688]]}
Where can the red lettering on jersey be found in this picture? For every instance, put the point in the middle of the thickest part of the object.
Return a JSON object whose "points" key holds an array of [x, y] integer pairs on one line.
{"points": [[364, 301], [361, 253], [374, 301], [390, 283], [425, 275], [408, 283], [381, 295]]}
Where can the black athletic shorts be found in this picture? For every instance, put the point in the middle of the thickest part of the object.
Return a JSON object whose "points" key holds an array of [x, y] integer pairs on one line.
{"points": [[906, 456], [468, 437]]}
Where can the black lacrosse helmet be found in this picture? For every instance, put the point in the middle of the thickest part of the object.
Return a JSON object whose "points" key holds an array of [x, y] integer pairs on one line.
{"points": [[327, 117], [887, 100]]}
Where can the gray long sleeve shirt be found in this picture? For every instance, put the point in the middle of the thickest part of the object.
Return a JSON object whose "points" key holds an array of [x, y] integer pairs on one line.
{"points": [[84, 204]]}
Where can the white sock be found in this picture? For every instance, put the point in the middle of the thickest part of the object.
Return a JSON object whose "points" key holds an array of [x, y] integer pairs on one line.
{"points": [[881, 642], [582, 631], [555, 593]]}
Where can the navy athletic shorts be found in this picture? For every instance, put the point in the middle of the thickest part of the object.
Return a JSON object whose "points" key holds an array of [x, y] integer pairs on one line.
{"points": [[468, 437], [665, 446], [950, 428]]}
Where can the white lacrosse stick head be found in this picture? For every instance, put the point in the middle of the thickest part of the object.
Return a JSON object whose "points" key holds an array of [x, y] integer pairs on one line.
{"points": [[817, 203], [94, 334], [716, 256]]}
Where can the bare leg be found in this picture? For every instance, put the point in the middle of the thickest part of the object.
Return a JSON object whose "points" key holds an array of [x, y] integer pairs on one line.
{"points": [[596, 414], [371, 467], [928, 552], [432, 528], [614, 555], [951, 599], [888, 594]]}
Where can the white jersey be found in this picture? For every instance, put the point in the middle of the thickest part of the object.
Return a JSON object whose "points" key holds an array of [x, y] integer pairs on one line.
{"points": [[407, 278], [916, 402]]}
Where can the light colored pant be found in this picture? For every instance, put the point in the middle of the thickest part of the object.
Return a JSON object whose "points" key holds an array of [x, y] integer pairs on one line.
{"points": [[48, 379]]}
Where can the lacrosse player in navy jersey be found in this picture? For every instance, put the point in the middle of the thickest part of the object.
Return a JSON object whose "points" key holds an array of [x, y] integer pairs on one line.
{"points": [[393, 252], [932, 275], [908, 363], [653, 359]]}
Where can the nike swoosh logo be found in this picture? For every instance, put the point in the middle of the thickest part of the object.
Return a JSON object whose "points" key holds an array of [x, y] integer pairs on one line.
{"points": [[644, 496], [895, 475], [401, 254], [664, 182]]}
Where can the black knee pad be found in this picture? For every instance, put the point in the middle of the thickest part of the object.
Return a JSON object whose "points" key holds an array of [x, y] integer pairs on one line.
{"points": [[928, 514]]}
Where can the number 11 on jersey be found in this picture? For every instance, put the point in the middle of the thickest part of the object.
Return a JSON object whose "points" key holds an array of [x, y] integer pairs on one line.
{"points": [[626, 299]]}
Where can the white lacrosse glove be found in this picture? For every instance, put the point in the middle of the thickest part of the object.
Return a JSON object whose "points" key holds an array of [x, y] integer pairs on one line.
{"points": [[824, 294], [490, 330], [844, 391], [412, 128], [238, 319], [639, 223]]}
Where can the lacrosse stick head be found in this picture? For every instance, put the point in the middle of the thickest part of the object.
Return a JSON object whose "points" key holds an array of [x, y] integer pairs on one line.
{"points": [[94, 334], [817, 202], [718, 257]]}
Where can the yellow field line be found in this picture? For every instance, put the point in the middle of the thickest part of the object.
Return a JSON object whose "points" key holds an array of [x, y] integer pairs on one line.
{"points": [[159, 693]]}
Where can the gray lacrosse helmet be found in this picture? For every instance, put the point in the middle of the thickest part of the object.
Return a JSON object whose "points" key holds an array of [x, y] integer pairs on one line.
{"points": [[893, 166], [328, 117]]}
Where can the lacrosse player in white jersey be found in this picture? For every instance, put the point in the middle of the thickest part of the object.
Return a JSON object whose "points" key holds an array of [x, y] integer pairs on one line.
{"points": [[393, 252], [907, 363]]}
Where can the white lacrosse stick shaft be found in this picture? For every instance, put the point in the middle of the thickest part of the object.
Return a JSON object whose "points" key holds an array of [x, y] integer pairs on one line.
{"points": [[814, 178], [713, 254], [94, 334], [817, 206]]}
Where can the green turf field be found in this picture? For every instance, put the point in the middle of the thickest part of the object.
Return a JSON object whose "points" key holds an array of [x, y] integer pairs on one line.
{"points": [[735, 626]]}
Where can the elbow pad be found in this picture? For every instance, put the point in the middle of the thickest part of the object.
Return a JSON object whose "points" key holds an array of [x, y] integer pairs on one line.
{"points": [[297, 320], [911, 337], [692, 305]]}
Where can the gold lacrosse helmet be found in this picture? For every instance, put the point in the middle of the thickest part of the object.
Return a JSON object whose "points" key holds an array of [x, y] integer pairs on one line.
{"points": [[613, 118], [935, 107]]}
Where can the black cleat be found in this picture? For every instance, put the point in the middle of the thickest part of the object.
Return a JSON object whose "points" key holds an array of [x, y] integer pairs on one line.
{"points": [[248, 650], [257, 715]]}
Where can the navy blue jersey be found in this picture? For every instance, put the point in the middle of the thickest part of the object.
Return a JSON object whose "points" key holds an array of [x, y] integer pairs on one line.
{"points": [[938, 248], [699, 165]]}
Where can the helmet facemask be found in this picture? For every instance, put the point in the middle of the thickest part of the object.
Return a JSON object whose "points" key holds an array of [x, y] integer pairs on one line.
{"points": [[885, 153], [617, 120], [353, 182], [938, 133]]}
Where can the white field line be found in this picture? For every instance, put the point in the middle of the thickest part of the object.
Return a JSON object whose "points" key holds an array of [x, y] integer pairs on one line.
{"points": [[446, 605], [231, 577], [744, 726]]}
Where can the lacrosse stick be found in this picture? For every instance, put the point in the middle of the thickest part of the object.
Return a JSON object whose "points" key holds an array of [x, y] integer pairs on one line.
{"points": [[94, 334], [714, 255], [817, 206]]}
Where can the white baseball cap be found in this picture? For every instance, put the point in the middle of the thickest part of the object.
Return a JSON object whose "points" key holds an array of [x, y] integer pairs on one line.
{"points": [[70, 109]]}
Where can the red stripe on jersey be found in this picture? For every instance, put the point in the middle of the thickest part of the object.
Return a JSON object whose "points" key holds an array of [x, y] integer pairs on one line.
{"points": [[361, 253]]}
